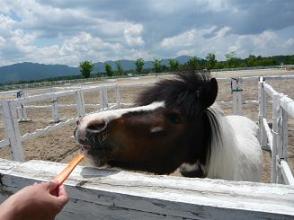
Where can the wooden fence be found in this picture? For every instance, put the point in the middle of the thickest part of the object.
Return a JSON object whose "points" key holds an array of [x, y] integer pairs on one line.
{"points": [[14, 111], [275, 140], [116, 194]]}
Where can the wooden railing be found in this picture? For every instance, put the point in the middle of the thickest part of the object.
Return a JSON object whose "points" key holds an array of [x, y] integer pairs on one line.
{"points": [[275, 139], [116, 194]]}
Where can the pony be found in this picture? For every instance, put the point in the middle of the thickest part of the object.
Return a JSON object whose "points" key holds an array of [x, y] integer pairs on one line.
{"points": [[174, 124]]}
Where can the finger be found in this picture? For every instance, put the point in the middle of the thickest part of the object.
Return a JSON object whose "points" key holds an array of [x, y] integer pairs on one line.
{"points": [[51, 186], [62, 194]]}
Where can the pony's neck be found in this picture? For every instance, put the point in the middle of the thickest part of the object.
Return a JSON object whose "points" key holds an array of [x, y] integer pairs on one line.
{"points": [[222, 156]]}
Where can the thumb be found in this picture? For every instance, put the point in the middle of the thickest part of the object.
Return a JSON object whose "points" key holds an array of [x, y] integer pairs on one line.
{"points": [[52, 186]]}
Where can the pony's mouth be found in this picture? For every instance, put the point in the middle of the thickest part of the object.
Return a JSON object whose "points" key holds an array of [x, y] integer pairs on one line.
{"points": [[97, 153]]}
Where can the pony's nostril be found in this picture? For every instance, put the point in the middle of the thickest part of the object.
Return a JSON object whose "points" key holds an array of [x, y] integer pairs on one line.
{"points": [[97, 127]]}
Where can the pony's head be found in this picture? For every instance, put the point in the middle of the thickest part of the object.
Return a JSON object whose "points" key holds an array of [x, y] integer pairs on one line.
{"points": [[169, 126]]}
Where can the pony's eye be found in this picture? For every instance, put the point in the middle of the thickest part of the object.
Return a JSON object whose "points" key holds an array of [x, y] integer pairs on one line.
{"points": [[174, 118]]}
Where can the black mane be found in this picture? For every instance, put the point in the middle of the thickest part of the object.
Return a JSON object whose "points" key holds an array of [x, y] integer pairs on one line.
{"points": [[182, 93], [188, 93]]}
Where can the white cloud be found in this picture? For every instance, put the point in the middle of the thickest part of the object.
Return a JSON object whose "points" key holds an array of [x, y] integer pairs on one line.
{"points": [[221, 41], [217, 5], [186, 39], [72, 51], [67, 32], [132, 35], [2, 41]]}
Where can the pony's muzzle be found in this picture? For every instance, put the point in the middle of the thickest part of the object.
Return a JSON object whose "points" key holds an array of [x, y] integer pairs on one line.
{"points": [[92, 133]]}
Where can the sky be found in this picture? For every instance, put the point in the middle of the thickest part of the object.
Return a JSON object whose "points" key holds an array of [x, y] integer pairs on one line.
{"points": [[70, 31]]}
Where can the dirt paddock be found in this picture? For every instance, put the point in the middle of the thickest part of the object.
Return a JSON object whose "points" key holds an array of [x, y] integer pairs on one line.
{"points": [[60, 146]]}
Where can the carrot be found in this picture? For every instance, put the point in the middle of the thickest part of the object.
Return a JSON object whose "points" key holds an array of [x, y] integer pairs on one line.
{"points": [[64, 174]]}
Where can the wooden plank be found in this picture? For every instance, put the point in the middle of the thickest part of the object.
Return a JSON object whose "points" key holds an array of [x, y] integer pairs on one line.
{"points": [[80, 103], [269, 90], [286, 172], [103, 99], [288, 105], [4, 143], [55, 112], [12, 130], [262, 113], [116, 194], [276, 140], [283, 151], [268, 134], [236, 84], [43, 131], [117, 96], [45, 96], [277, 77]]}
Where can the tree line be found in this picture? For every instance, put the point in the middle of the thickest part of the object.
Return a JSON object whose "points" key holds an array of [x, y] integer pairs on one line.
{"points": [[194, 63]]}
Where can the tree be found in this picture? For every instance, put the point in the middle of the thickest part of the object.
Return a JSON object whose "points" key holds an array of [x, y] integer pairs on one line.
{"points": [[86, 68], [119, 69], [157, 65], [211, 60], [108, 69], [139, 65], [232, 60], [173, 65], [194, 63], [251, 60]]}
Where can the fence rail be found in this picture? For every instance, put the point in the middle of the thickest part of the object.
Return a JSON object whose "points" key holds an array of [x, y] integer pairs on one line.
{"points": [[276, 139], [116, 194]]}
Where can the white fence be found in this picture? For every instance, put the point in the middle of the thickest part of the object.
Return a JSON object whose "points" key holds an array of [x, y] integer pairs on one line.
{"points": [[275, 140], [15, 110], [115, 194], [122, 195]]}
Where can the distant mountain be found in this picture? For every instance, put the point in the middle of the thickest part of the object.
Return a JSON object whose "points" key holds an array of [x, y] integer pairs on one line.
{"points": [[34, 71]]}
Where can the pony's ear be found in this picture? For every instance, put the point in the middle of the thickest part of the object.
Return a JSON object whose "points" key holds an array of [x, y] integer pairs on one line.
{"points": [[209, 92]]}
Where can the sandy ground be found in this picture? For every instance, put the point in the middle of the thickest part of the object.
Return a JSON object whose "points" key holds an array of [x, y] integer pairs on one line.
{"points": [[60, 146]]}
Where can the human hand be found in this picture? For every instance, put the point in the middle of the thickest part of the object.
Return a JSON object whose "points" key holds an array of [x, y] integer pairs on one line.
{"points": [[39, 201]]}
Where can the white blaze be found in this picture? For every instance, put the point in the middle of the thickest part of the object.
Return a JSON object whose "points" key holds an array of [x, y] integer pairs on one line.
{"points": [[107, 116]]}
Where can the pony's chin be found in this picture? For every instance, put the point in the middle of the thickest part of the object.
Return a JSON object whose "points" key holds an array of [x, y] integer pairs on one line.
{"points": [[95, 160]]}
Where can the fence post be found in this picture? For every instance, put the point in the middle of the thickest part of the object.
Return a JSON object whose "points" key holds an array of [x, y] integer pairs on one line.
{"points": [[55, 113], [282, 147], [236, 88], [117, 96], [276, 118], [21, 111], [262, 114], [12, 129], [103, 98], [284, 134], [80, 103]]}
